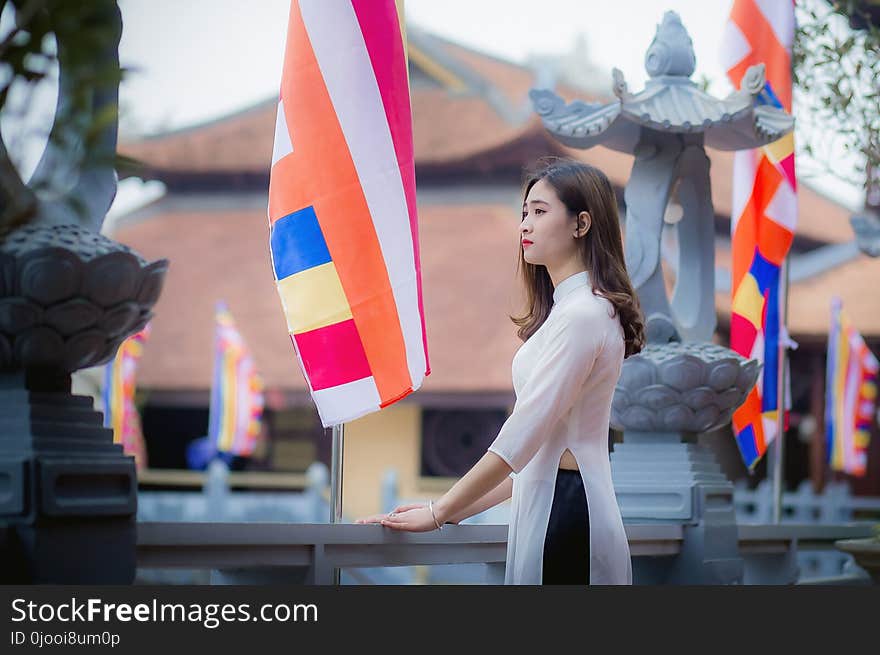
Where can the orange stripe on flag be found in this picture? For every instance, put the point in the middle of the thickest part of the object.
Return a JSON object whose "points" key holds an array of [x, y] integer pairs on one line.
{"points": [[750, 412], [766, 49], [745, 238], [774, 241]]}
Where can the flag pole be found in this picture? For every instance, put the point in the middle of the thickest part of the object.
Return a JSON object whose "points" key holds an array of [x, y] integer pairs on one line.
{"points": [[336, 484], [779, 441]]}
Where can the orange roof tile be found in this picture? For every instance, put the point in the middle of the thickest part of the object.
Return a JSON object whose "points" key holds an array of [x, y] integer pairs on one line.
{"points": [[513, 80], [240, 142], [448, 128]]}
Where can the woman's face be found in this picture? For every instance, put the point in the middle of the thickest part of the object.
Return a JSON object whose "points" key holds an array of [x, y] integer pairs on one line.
{"points": [[547, 229]]}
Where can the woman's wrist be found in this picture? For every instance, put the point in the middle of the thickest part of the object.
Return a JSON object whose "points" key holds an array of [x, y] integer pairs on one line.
{"points": [[437, 524], [441, 512]]}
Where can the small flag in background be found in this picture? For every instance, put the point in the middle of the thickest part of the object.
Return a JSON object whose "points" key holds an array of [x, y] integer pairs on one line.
{"points": [[763, 219], [120, 412], [850, 394], [236, 392], [342, 207]]}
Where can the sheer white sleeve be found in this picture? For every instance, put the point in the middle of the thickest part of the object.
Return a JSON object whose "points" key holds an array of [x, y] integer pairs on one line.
{"points": [[567, 358]]}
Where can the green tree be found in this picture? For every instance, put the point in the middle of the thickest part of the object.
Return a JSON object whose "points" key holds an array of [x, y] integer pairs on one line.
{"points": [[836, 58]]}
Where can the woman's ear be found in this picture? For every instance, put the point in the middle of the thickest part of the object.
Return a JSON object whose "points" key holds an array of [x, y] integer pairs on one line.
{"points": [[584, 221]]}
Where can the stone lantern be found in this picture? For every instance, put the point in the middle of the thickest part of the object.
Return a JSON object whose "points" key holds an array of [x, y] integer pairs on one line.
{"points": [[682, 384]]}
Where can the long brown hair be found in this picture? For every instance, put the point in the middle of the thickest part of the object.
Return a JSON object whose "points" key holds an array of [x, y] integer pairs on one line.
{"points": [[582, 187]]}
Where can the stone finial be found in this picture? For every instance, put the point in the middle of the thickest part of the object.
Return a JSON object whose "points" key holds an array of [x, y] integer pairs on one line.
{"points": [[672, 51], [621, 90]]}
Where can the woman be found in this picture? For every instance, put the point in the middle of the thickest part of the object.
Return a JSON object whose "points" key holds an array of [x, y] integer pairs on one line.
{"points": [[551, 455]]}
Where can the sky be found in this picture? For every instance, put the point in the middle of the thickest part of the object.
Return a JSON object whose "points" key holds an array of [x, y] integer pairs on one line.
{"points": [[191, 61], [196, 73]]}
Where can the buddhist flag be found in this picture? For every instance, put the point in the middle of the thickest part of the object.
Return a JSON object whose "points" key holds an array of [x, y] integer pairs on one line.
{"points": [[120, 412], [236, 392], [850, 394], [763, 217], [342, 207]]}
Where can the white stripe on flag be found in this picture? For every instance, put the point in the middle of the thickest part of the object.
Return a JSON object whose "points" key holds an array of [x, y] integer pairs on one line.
{"points": [[734, 46], [770, 429], [782, 208], [744, 169], [348, 74], [780, 16], [758, 353], [347, 401], [282, 146]]}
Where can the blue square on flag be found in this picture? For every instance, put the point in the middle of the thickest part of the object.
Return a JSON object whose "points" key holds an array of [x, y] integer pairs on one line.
{"points": [[298, 243]]}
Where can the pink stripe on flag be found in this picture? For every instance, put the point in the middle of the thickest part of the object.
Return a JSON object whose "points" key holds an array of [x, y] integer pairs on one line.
{"points": [[787, 166], [388, 59], [332, 355]]}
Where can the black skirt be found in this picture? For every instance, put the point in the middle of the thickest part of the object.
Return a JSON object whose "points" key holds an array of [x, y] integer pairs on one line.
{"points": [[567, 543]]}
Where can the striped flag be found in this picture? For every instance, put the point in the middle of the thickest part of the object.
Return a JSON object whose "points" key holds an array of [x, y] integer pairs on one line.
{"points": [[236, 392], [342, 207], [850, 394], [120, 412], [763, 217]]}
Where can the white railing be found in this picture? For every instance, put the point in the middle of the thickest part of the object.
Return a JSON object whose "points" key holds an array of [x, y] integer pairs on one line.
{"points": [[836, 504]]}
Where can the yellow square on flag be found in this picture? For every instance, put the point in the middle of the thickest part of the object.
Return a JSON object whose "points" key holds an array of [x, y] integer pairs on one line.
{"points": [[313, 298], [748, 301]]}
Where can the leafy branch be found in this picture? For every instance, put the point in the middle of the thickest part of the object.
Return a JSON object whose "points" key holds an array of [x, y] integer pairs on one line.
{"points": [[72, 180], [836, 61]]}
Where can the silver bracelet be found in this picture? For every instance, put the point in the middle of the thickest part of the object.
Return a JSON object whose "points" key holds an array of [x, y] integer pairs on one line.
{"points": [[431, 507]]}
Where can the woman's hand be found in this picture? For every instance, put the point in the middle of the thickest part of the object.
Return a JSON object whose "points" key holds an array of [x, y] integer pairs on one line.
{"points": [[377, 518], [406, 517], [416, 519], [374, 518]]}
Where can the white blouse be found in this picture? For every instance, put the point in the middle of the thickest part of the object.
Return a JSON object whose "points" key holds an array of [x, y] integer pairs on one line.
{"points": [[564, 377]]}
